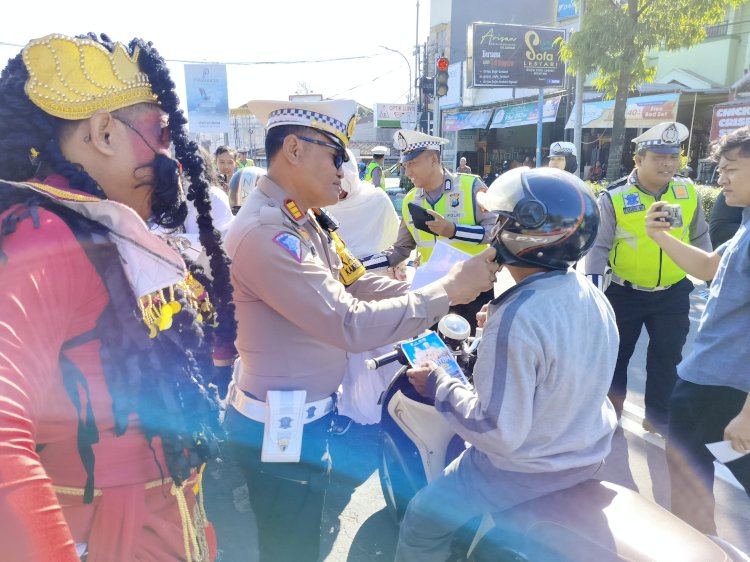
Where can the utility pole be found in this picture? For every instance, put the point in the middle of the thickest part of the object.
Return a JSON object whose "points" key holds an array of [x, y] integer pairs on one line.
{"points": [[580, 78], [416, 59], [425, 96]]}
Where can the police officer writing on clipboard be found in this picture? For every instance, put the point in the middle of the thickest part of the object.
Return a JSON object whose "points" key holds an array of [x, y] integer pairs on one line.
{"points": [[303, 301], [451, 210], [647, 287]]}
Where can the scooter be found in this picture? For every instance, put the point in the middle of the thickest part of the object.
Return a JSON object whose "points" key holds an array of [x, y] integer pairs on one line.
{"points": [[595, 521]]}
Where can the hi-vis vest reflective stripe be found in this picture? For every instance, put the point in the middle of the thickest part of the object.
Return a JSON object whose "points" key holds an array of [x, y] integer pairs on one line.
{"points": [[456, 205], [634, 256], [368, 173]]}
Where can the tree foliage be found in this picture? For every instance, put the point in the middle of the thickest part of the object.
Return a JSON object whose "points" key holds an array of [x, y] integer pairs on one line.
{"points": [[618, 34]]}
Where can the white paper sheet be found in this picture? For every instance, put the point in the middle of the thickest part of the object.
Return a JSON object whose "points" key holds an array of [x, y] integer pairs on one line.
{"points": [[723, 451], [443, 257]]}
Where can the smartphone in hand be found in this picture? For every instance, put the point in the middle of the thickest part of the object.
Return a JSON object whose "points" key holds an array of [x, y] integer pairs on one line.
{"points": [[420, 216]]}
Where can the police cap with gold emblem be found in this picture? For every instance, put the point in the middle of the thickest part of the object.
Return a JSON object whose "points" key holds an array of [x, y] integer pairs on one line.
{"points": [[334, 118], [664, 138], [413, 143]]}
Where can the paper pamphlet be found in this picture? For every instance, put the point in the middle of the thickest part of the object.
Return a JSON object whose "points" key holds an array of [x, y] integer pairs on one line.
{"points": [[723, 451], [431, 348], [443, 257], [282, 433]]}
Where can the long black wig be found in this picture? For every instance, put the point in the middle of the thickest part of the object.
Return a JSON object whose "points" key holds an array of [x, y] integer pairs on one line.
{"points": [[160, 379]]}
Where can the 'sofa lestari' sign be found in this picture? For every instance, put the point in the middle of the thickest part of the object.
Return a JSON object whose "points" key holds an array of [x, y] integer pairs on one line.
{"points": [[504, 55]]}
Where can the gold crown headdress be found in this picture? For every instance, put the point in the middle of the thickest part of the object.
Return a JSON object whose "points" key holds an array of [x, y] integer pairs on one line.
{"points": [[71, 78]]}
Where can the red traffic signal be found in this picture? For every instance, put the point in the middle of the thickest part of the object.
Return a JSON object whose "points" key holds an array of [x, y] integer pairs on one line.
{"points": [[441, 76]]}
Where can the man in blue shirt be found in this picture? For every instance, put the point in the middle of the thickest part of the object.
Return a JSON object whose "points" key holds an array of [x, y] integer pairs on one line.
{"points": [[710, 400]]}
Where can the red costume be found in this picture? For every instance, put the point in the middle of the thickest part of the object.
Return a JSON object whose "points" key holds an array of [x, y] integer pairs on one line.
{"points": [[51, 295]]}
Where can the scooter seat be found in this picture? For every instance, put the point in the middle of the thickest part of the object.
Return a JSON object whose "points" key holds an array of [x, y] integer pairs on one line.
{"points": [[599, 521]]}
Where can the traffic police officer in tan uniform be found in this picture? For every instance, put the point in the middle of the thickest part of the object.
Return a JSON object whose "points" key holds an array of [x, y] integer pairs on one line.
{"points": [[647, 287], [450, 199], [303, 301]]}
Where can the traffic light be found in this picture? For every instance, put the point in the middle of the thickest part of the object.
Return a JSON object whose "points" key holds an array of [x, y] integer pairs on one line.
{"points": [[441, 76], [427, 85]]}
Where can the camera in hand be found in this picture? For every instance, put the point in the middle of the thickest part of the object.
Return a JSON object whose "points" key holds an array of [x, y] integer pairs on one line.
{"points": [[674, 216]]}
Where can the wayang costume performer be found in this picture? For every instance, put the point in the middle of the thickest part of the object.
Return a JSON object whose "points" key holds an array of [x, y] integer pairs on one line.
{"points": [[105, 338]]}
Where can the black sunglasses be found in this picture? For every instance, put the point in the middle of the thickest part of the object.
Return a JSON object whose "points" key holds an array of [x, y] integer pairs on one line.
{"points": [[340, 156]]}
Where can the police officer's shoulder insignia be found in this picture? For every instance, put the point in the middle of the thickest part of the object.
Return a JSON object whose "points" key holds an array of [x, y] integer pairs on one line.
{"points": [[291, 244], [680, 190], [448, 184], [632, 203], [294, 210]]}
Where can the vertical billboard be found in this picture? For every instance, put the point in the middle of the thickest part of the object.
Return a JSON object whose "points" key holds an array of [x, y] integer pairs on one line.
{"points": [[514, 56], [207, 98]]}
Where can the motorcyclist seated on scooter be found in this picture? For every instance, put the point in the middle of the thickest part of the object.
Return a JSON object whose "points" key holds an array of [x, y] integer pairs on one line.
{"points": [[537, 419]]}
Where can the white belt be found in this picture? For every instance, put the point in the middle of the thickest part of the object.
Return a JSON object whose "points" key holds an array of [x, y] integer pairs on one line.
{"points": [[624, 283], [256, 409]]}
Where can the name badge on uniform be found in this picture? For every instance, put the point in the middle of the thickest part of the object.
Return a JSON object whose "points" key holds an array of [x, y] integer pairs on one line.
{"points": [[282, 432], [680, 191], [632, 203]]}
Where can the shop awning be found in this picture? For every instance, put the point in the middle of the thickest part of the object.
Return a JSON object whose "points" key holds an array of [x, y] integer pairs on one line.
{"points": [[641, 112], [467, 120], [525, 114]]}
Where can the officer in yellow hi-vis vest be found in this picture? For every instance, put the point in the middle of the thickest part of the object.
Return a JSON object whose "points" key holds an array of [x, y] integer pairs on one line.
{"points": [[647, 287], [449, 198], [374, 173]]}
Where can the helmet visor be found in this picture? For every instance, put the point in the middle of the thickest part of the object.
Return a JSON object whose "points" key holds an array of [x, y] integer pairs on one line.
{"points": [[506, 192]]}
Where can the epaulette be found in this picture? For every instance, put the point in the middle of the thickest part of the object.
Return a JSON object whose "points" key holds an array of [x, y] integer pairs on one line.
{"points": [[271, 214], [617, 183]]}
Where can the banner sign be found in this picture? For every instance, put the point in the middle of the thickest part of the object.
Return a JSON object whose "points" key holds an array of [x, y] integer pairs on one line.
{"points": [[525, 114], [641, 112], [566, 9], [207, 99], [467, 120], [728, 118], [395, 115], [514, 56]]}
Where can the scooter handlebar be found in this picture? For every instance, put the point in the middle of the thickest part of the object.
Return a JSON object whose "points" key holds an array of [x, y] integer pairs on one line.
{"points": [[377, 362]]}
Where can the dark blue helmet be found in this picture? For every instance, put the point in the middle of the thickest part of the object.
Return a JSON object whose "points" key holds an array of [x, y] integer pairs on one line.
{"points": [[547, 218]]}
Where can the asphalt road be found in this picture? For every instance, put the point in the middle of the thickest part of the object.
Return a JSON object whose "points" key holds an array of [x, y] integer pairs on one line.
{"points": [[356, 527]]}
